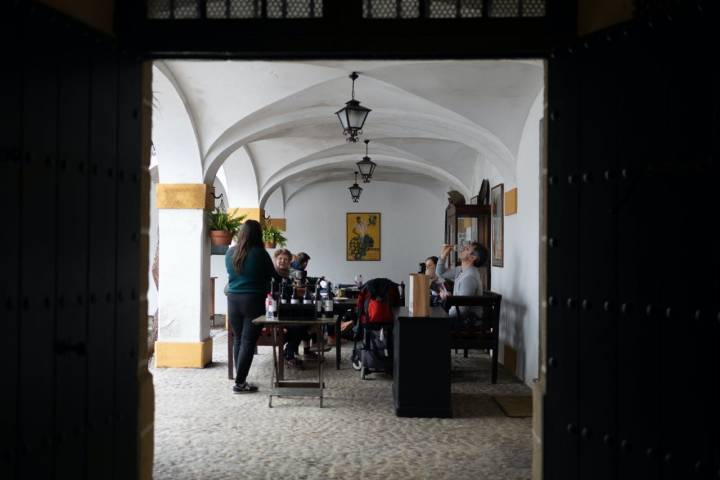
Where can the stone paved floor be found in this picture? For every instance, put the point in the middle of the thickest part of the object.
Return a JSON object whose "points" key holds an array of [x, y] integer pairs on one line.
{"points": [[204, 431]]}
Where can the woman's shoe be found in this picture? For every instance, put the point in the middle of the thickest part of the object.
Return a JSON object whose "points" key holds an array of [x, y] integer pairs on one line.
{"points": [[294, 363], [244, 388], [309, 354]]}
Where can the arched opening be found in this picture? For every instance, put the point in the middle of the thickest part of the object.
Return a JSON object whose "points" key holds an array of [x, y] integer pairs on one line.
{"points": [[268, 130]]}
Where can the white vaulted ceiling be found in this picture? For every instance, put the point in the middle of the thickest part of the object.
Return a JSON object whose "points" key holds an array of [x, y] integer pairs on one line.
{"points": [[432, 122]]}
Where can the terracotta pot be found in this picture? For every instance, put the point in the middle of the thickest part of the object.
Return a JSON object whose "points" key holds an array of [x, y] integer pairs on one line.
{"points": [[220, 237], [269, 244]]}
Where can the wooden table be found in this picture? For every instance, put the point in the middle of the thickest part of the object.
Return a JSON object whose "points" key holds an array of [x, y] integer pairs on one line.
{"points": [[340, 307], [421, 364], [281, 387]]}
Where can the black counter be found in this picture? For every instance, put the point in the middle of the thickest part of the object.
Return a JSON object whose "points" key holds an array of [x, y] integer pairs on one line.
{"points": [[421, 364]]}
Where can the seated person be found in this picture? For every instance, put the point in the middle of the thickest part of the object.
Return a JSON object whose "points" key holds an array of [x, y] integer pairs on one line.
{"points": [[467, 281], [297, 333], [298, 270], [298, 267], [436, 283]]}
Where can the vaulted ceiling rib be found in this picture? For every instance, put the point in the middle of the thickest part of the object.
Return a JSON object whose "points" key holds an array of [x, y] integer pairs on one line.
{"points": [[433, 117]]}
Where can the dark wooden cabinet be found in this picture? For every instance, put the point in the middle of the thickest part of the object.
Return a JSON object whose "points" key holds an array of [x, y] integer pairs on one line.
{"points": [[469, 223], [421, 364]]}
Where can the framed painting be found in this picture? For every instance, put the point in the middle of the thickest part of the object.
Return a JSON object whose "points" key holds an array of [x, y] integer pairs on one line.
{"points": [[362, 236], [496, 226]]}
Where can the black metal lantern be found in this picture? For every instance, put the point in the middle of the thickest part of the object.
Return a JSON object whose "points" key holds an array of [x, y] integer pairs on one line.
{"points": [[355, 190], [352, 116], [366, 166]]}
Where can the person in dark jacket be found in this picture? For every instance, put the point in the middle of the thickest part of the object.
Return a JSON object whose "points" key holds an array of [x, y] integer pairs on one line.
{"points": [[249, 272], [298, 267]]}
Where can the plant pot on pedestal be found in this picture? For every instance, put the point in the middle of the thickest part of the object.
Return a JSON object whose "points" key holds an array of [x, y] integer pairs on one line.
{"points": [[220, 237], [270, 245]]}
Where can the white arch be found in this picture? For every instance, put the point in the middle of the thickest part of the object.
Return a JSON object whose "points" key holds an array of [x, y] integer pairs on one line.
{"points": [[242, 182], [411, 165], [388, 121], [432, 191], [174, 133]]}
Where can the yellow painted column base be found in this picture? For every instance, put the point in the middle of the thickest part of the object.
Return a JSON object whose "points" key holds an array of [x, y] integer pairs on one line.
{"points": [[183, 354], [250, 213]]}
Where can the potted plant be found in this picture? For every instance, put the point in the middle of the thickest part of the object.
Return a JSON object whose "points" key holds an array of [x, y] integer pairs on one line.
{"points": [[223, 227], [273, 237]]}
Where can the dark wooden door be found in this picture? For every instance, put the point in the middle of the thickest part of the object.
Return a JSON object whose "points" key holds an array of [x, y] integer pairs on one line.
{"points": [[633, 322], [69, 250]]}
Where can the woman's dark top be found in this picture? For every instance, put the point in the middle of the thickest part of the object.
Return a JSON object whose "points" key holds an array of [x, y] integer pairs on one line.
{"points": [[256, 272]]}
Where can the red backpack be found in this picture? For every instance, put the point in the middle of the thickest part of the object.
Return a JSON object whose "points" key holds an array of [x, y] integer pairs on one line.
{"points": [[377, 308]]}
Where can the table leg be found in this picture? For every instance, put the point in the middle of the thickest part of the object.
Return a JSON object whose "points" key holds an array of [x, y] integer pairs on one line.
{"points": [[338, 341], [274, 378], [281, 356], [321, 361]]}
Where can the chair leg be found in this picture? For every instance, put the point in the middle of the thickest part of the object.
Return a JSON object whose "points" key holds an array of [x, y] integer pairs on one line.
{"points": [[494, 365], [465, 354]]}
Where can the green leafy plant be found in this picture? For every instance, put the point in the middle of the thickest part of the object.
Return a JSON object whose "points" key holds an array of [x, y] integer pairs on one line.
{"points": [[219, 220], [272, 234]]}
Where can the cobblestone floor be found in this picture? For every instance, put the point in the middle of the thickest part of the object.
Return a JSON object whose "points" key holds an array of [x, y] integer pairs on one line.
{"points": [[204, 431]]}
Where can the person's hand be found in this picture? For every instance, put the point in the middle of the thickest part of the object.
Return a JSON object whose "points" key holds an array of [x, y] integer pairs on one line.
{"points": [[445, 251], [444, 294]]}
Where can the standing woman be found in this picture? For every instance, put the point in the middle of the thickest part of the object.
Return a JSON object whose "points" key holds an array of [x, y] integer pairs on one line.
{"points": [[249, 271]]}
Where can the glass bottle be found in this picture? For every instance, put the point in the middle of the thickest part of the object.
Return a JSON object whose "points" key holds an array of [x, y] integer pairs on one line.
{"points": [[318, 299], [270, 307], [328, 304], [283, 291]]}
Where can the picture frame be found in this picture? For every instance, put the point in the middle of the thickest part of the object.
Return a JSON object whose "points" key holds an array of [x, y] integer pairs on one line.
{"points": [[497, 255], [363, 239]]}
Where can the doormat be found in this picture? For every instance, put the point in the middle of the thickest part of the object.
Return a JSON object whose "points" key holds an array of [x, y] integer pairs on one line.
{"points": [[516, 406]]}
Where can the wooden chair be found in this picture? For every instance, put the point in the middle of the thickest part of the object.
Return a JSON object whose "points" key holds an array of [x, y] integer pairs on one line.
{"points": [[483, 337]]}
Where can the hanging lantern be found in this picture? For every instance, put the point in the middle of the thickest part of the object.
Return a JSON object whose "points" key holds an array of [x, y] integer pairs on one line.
{"points": [[352, 116], [366, 166], [355, 190]]}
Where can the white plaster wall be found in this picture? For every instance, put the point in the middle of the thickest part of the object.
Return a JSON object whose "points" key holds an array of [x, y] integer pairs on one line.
{"points": [[184, 309], [518, 280], [217, 269], [275, 205], [152, 292], [173, 134], [242, 186], [412, 226]]}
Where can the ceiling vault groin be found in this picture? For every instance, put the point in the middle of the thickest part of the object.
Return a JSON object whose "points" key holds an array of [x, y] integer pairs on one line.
{"points": [[433, 123]]}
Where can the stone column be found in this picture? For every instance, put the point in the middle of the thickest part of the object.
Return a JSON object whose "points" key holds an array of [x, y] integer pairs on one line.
{"points": [[183, 299]]}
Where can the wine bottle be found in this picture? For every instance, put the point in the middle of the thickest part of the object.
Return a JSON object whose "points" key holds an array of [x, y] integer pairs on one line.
{"points": [[295, 298], [283, 291], [328, 304], [306, 296], [318, 298]]}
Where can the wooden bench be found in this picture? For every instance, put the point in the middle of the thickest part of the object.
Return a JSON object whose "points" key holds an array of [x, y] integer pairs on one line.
{"points": [[483, 337]]}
